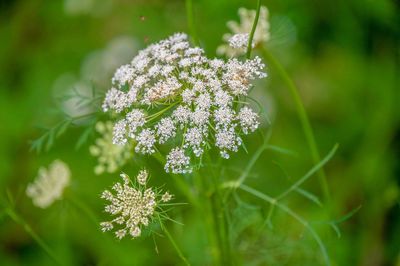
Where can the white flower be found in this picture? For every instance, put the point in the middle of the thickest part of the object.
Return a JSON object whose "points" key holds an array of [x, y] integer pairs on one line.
{"points": [[223, 116], [123, 75], [166, 197], [131, 207], [181, 115], [145, 142], [109, 155], [177, 162], [227, 140], [142, 177], [248, 120], [240, 41], [194, 139], [135, 119], [50, 184], [172, 93], [236, 40], [165, 129], [119, 133]]}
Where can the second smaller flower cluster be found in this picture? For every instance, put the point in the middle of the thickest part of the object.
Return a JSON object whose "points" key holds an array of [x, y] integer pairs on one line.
{"points": [[133, 205]]}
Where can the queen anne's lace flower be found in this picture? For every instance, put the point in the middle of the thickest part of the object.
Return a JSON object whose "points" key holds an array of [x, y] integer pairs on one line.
{"points": [[237, 41], [248, 120], [177, 162], [240, 41], [110, 156], [172, 94], [132, 205], [227, 140], [166, 197], [50, 184]]}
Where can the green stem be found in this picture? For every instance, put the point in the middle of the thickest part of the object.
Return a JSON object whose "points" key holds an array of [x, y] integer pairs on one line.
{"points": [[80, 205], [19, 220], [305, 123], [208, 209], [253, 30], [171, 239], [155, 115], [181, 184], [218, 215], [290, 212], [190, 21]]}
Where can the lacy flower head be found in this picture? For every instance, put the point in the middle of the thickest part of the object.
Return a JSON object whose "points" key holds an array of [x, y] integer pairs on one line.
{"points": [[172, 95], [50, 184], [236, 42], [133, 205], [109, 155]]}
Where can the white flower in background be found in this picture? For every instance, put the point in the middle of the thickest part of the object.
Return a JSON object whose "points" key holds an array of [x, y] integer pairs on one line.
{"points": [[87, 7], [132, 205], [49, 184], [240, 41], [109, 155], [236, 43], [172, 94], [80, 93]]}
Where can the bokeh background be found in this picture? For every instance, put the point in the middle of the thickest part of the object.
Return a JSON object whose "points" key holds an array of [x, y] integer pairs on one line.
{"points": [[343, 55]]}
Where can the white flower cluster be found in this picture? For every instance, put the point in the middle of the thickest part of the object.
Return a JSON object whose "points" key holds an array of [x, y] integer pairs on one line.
{"points": [[240, 41], [236, 42], [109, 155], [132, 206], [172, 92], [50, 184]]}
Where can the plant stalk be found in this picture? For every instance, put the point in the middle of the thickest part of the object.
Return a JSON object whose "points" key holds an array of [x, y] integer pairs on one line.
{"points": [[253, 30], [174, 244], [302, 114], [190, 21], [19, 220]]}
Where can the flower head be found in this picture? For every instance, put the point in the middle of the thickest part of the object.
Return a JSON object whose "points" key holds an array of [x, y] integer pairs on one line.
{"points": [[109, 155], [50, 184], [132, 206], [237, 41], [172, 94]]}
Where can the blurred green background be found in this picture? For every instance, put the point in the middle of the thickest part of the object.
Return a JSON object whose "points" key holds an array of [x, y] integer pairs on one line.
{"points": [[343, 55]]}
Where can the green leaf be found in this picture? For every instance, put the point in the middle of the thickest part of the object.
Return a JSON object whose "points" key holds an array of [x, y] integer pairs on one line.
{"points": [[83, 138], [309, 196]]}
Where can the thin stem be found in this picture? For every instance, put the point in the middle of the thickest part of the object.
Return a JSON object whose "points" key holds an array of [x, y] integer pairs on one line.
{"points": [[305, 123], [79, 205], [19, 220], [155, 115], [190, 21], [206, 209], [171, 239], [294, 215], [182, 185], [253, 30], [219, 216], [308, 174], [253, 160]]}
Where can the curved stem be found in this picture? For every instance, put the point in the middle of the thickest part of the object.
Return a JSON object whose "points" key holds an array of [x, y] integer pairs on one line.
{"points": [[181, 184], [190, 21], [290, 212], [19, 220], [171, 239], [305, 123], [218, 213], [308, 174], [253, 30]]}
